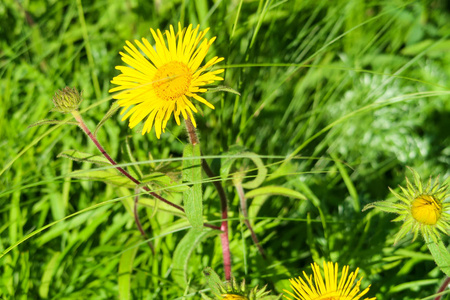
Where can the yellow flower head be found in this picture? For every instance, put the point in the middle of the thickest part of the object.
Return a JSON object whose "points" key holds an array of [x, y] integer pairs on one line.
{"points": [[421, 208], [163, 79], [317, 288]]}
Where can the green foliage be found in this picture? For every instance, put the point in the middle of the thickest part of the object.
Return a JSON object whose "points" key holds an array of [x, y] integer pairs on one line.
{"points": [[335, 99], [192, 174]]}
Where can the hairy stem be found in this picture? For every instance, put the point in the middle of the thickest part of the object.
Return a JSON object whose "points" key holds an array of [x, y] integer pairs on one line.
{"points": [[86, 130], [138, 222], [442, 288], [193, 138], [243, 201]]}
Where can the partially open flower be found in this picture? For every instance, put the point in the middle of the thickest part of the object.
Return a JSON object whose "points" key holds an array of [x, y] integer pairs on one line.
{"points": [[421, 208], [67, 100], [232, 290]]}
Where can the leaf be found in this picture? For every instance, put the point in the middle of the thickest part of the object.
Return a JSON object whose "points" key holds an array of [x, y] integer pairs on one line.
{"points": [[51, 122], [223, 88], [348, 182], [108, 176], [84, 157], [386, 206], [112, 110], [214, 281], [275, 190], [227, 162], [49, 272], [183, 253], [440, 253], [192, 197], [125, 270], [238, 152]]}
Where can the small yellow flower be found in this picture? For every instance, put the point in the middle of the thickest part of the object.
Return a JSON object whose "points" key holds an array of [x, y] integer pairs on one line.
{"points": [[422, 209], [162, 79], [316, 288]]}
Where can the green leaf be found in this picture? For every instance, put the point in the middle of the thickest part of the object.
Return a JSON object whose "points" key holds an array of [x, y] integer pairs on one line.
{"points": [[112, 110], [183, 253], [238, 152], [348, 183], [275, 190], [227, 162], [192, 197], [223, 88], [125, 270], [49, 272], [108, 176], [386, 206], [51, 122], [214, 281], [84, 157], [440, 253]]}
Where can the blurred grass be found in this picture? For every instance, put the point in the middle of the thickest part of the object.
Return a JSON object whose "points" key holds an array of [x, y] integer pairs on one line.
{"points": [[361, 87]]}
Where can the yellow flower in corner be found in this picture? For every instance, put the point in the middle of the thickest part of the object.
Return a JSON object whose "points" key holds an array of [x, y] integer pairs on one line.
{"points": [[163, 79], [420, 207], [317, 288]]}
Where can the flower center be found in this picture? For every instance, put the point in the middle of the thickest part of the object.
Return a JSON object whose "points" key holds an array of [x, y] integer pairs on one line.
{"points": [[426, 210], [172, 80]]}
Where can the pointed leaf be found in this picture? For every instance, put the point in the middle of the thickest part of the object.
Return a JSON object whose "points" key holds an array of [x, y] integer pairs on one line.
{"points": [[108, 176], [275, 190], [192, 197], [84, 157], [214, 281], [183, 253], [51, 122], [223, 88], [385, 206], [440, 254], [112, 110], [125, 270]]}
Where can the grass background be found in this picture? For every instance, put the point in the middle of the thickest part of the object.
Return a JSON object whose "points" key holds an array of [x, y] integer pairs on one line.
{"points": [[359, 89]]}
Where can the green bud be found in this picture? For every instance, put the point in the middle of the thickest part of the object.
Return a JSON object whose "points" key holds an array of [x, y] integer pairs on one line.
{"points": [[67, 100]]}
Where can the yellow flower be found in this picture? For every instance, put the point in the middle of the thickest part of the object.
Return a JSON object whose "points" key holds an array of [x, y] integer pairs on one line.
{"points": [[316, 288], [163, 79], [422, 209]]}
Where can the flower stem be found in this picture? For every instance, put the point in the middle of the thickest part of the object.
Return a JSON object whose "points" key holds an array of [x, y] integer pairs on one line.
{"points": [[243, 201], [83, 126], [86, 130], [193, 138], [442, 288], [138, 222]]}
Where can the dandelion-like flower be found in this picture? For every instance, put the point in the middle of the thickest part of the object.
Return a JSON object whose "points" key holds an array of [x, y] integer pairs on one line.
{"points": [[317, 288], [421, 208], [162, 80]]}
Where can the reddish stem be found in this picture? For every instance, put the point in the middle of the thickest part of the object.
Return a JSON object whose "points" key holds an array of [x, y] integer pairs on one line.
{"points": [[86, 130], [83, 126], [442, 288], [138, 222]]}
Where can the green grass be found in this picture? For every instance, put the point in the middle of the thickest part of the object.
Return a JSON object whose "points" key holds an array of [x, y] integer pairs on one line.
{"points": [[337, 97]]}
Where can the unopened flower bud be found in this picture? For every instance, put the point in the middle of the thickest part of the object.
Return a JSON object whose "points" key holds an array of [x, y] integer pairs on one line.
{"points": [[67, 100]]}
